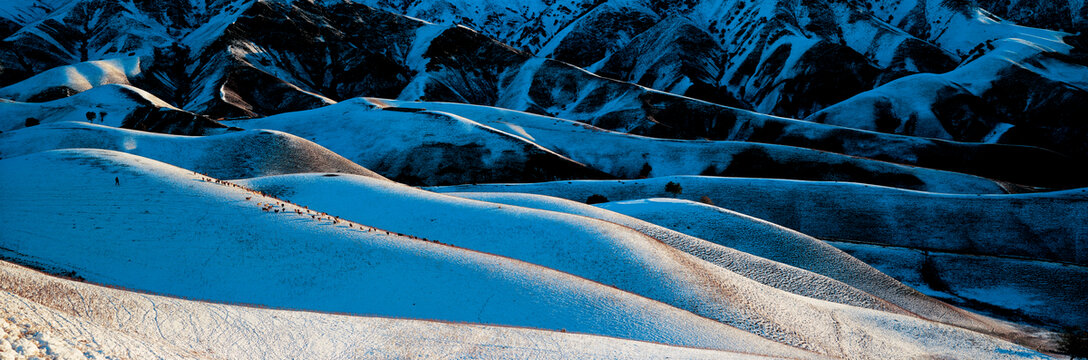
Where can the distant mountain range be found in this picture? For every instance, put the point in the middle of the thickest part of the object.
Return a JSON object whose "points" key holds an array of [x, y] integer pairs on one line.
{"points": [[940, 69]]}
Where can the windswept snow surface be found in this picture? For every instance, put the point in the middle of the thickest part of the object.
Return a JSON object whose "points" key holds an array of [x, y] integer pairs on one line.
{"points": [[429, 148], [505, 138], [107, 105], [629, 156], [229, 155], [756, 237], [489, 227], [74, 320], [74, 78], [65, 213], [622, 257], [1043, 226], [1031, 277], [1022, 290]]}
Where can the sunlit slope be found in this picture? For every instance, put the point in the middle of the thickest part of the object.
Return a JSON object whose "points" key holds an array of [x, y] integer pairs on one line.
{"points": [[66, 314], [1044, 225], [232, 154], [626, 258], [66, 213]]}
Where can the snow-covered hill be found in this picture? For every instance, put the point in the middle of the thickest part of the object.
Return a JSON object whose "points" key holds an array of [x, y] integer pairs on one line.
{"points": [[229, 155], [817, 257], [254, 249], [1021, 290], [637, 156], [111, 105], [790, 58], [61, 317], [1041, 290], [425, 148], [1023, 91], [506, 146], [260, 264], [459, 222], [1042, 226]]}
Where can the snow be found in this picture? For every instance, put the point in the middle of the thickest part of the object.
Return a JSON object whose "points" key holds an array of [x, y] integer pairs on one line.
{"points": [[20, 341], [978, 74], [215, 25], [755, 237], [78, 77], [351, 128], [966, 32], [27, 11], [420, 43], [626, 155], [233, 249], [914, 97], [397, 271], [514, 94], [110, 105], [71, 314], [767, 88], [911, 97], [617, 41], [990, 49], [1042, 226], [777, 243], [482, 226], [618, 256], [233, 154], [994, 136], [1019, 289]]}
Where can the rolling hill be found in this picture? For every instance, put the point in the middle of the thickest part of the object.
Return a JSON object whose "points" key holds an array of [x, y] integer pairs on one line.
{"points": [[854, 179]]}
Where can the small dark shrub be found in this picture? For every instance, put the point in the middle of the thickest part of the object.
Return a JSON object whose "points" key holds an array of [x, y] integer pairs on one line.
{"points": [[645, 172], [32, 121], [673, 188], [706, 200], [596, 199]]}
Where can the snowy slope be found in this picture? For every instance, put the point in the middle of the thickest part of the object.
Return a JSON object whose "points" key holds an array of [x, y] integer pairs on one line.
{"points": [[67, 80], [108, 105], [253, 58], [1066, 15], [486, 227], [774, 243], [1022, 290], [608, 253], [628, 156], [1019, 164], [891, 129], [1057, 281], [427, 148], [976, 102], [26, 11], [111, 105], [237, 249], [506, 149], [88, 30], [783, 57], [232, 154], [1042, 226], [961, 26], [795, 58], [60, 316]]}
